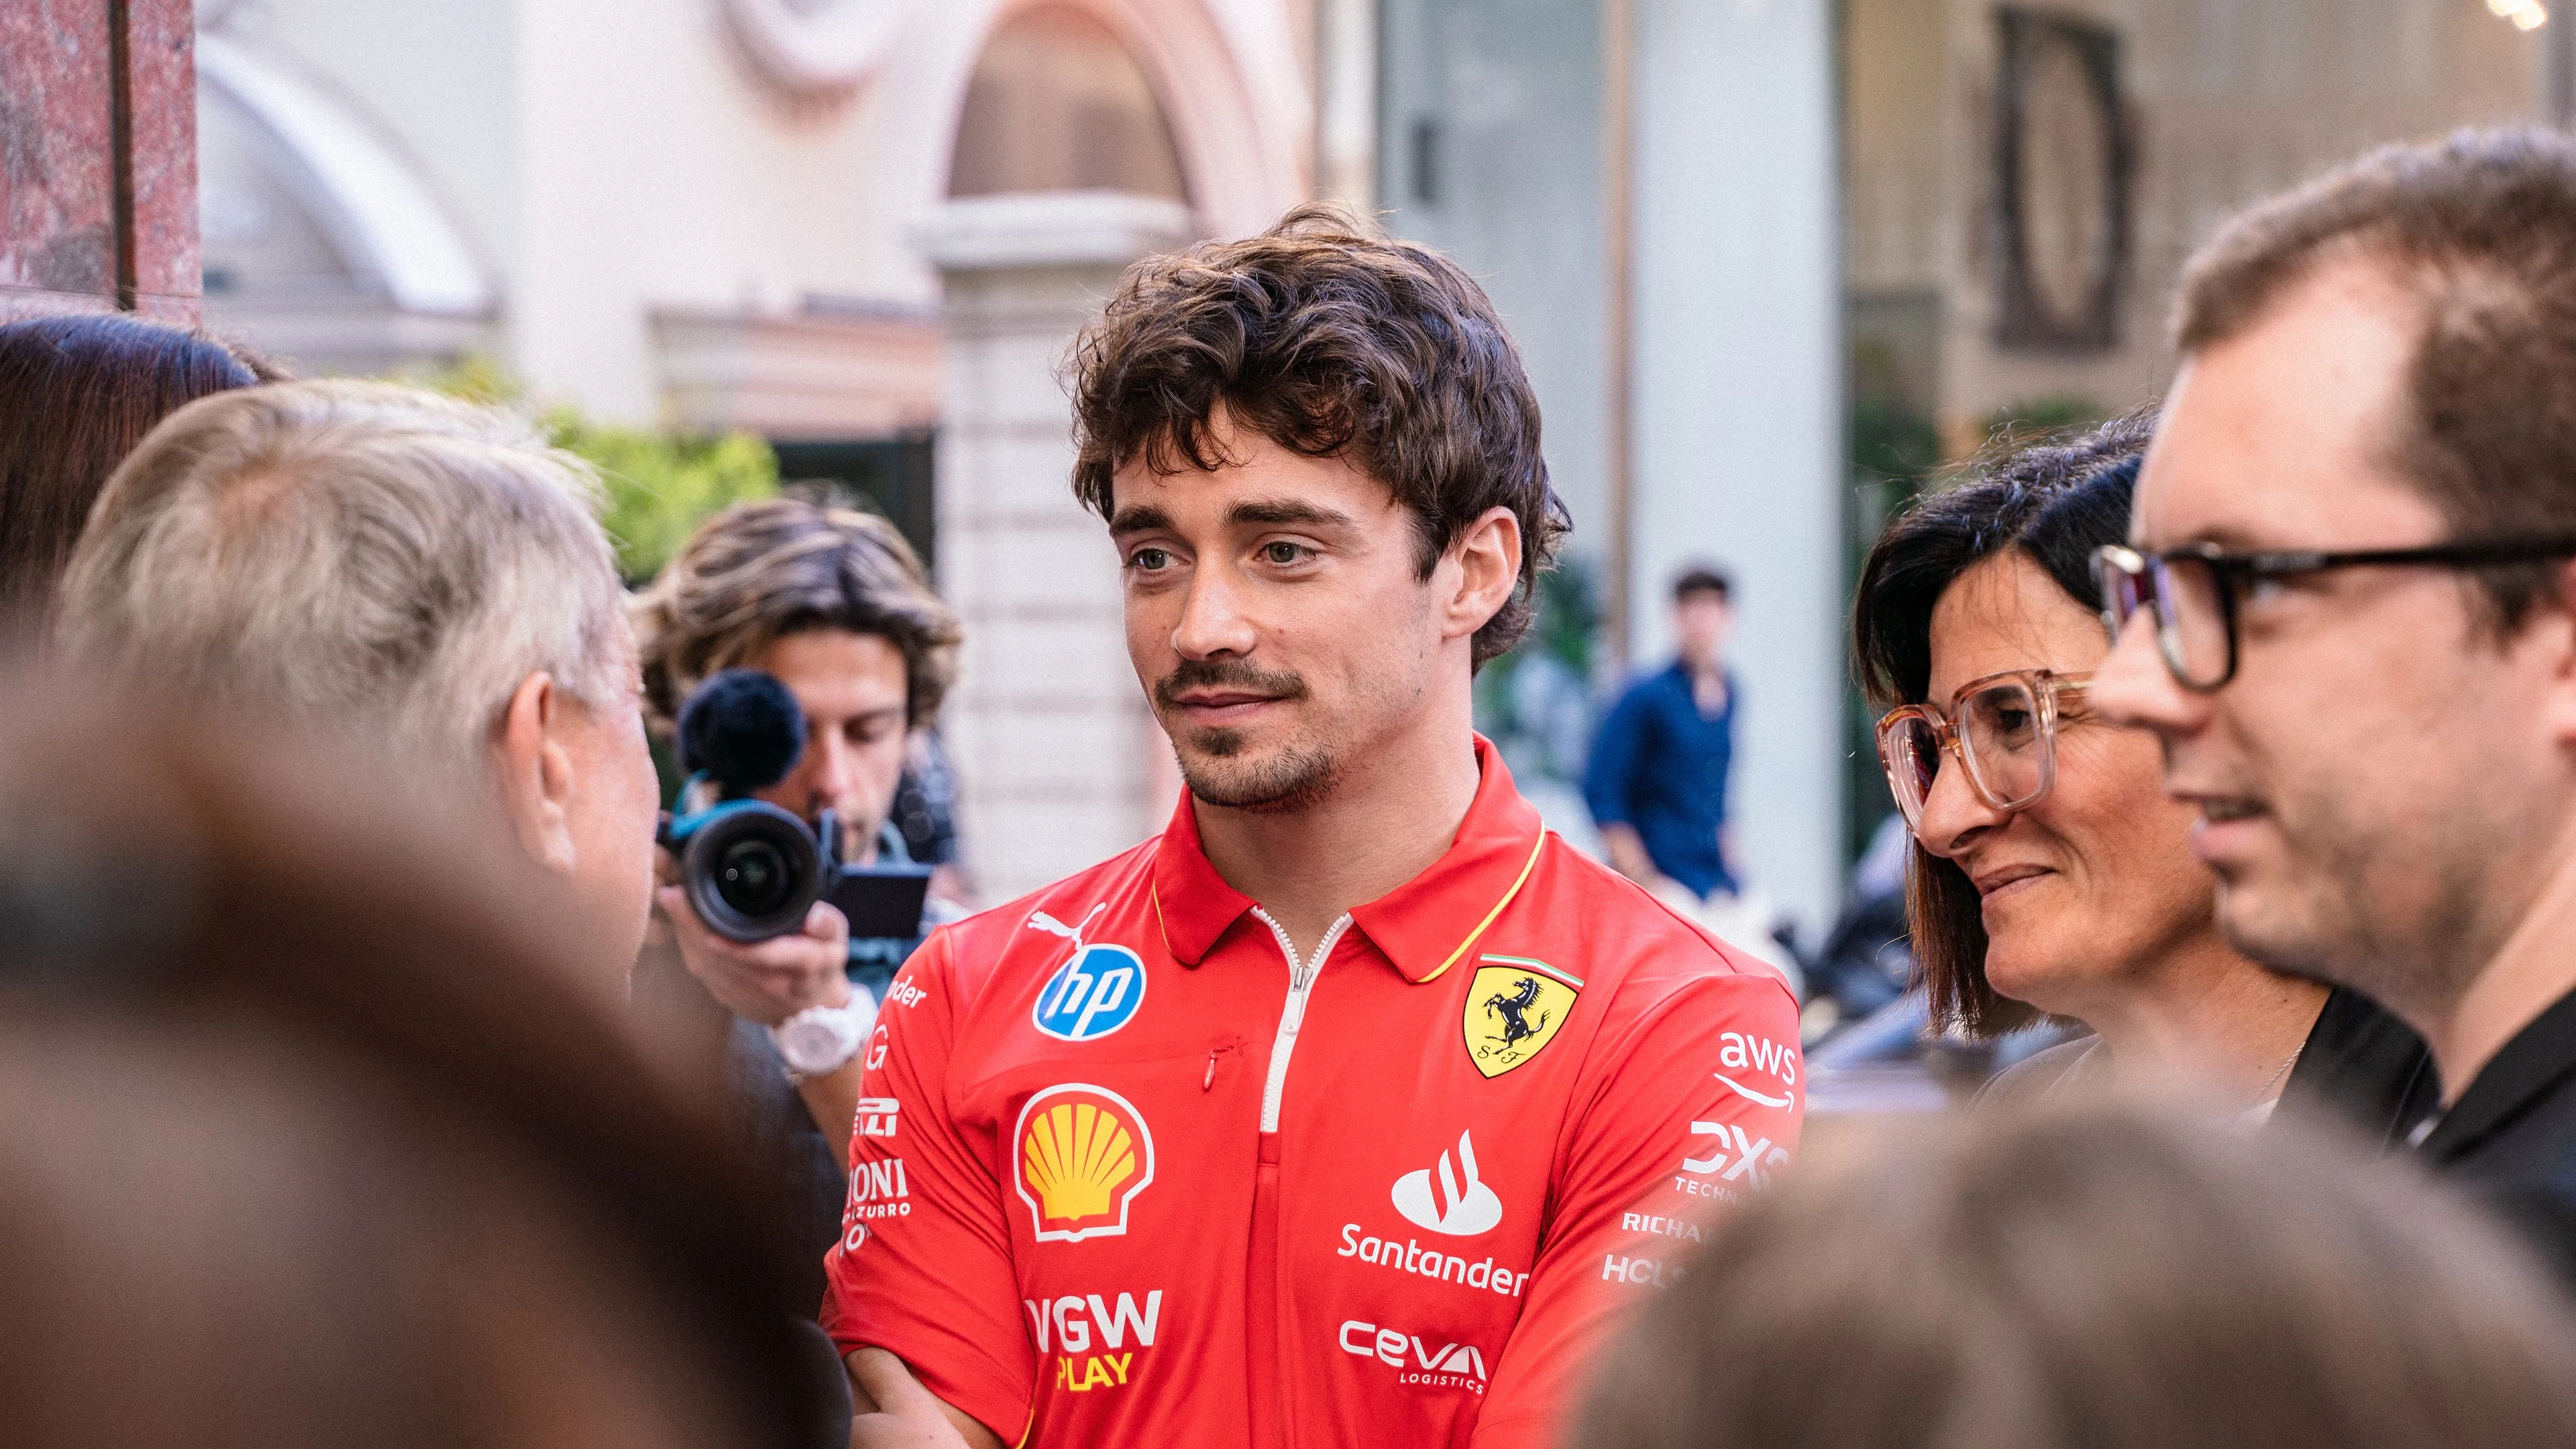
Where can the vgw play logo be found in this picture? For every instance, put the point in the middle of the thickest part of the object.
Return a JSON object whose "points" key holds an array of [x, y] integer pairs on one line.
{"points": [[1095, 992]]}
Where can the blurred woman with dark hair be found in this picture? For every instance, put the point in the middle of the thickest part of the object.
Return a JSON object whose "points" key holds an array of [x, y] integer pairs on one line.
{"points": [[2050, 872], [76, 394], [316, 1137]]}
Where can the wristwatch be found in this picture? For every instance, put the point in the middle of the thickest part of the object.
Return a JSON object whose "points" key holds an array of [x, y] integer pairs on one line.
{"points": [[822, 1039]]}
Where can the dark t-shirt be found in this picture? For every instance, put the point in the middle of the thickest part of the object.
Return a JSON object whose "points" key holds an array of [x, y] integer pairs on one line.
{"points": [[2366, 1068], [2511, 1137], [2359, 1065], [794, 1157]]}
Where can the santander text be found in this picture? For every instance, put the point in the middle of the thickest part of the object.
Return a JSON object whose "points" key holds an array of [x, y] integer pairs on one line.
{"points": [[1411, 1257]]}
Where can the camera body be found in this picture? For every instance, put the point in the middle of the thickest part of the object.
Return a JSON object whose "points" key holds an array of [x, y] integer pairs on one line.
{"points": [[751, 870]]}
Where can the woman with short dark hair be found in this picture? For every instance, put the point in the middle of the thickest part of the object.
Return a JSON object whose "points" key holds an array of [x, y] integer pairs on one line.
{"points": [[76, 394], [2051, 873]]}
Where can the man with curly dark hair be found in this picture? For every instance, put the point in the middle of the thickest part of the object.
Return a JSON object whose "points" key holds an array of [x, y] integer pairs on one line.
{"points": [[1105, 1205]]}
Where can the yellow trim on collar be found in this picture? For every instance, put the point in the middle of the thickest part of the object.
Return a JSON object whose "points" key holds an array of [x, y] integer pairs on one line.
{"points": [[1522, 879], [1154, 893]]}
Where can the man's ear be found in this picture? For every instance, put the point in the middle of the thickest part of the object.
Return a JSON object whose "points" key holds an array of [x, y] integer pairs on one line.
{"points": [[1488, 558], [535, 771]]}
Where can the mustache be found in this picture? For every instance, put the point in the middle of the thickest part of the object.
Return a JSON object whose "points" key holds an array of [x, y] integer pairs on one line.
{"points": [[1227, 674]]}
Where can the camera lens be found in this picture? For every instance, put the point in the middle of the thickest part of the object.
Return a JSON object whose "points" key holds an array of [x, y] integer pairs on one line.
{"points": [[753, 878], [752, 870]]}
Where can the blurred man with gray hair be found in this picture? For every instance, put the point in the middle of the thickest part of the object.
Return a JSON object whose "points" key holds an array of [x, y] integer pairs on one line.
{"points": [[379, 567]]}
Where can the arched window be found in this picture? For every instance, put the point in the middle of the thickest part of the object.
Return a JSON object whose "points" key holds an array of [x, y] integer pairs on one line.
{"points": [[1057, 104]]}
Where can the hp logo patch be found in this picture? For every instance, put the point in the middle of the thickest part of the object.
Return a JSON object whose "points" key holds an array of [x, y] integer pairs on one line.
{"points": [[1091, 995]]}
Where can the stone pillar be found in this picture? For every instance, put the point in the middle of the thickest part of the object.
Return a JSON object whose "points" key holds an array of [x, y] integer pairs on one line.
{"points": [[98, 158], [1738, 408], [1059, 762]]}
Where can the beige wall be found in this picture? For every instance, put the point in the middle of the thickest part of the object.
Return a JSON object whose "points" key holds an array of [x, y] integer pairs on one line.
{"points": [[443, 79], [2230, 100], [660, 215], [613, 162]]}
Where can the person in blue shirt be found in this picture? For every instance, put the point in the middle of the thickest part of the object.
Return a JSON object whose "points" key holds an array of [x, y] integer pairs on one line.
{"points": [[1656, 783]]}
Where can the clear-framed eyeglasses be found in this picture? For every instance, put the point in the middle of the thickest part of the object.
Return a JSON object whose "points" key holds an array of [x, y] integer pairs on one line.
{"points": [[2002, 729]]}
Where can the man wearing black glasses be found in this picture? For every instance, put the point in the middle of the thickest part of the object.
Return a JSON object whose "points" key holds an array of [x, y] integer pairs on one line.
{"points": [[2350, 616]]}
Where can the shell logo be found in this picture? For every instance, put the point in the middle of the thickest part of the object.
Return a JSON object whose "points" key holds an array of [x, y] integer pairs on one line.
{"points": [[1084, 1153]]}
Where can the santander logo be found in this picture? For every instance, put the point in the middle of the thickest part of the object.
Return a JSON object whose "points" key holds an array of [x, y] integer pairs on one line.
{"points": [[1464, 1206]]}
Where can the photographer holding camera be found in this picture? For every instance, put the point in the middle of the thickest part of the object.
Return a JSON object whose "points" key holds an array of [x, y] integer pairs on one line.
{"points": [[834, 605]]}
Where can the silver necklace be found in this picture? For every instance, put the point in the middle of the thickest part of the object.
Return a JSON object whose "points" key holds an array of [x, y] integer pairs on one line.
{"points": [[2267, 1094]]}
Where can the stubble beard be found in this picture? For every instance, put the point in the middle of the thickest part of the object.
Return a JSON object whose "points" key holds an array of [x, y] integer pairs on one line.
{"points": [[1219, 765], [2330, 912], [1287, 780]]}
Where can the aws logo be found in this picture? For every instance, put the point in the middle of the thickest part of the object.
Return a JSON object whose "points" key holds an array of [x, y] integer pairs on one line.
{"points": [[1746, 1055], [1083, 1154], [1515, 1007]]}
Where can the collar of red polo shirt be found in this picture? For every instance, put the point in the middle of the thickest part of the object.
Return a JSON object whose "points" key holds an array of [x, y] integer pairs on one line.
{"points": [[1425, 926]]}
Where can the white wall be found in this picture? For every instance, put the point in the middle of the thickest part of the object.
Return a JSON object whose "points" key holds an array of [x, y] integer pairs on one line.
{"points": [[1739, 401], [1512, 88], [661, 170]]}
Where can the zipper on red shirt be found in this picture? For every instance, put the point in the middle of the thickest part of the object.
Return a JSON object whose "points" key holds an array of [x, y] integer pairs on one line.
{"points": [[1292, 1015], [1266, 1372]]}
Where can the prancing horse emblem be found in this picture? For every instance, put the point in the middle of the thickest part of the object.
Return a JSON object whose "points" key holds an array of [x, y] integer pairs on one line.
{"points": [[1515, 1011], [1514, 1008]]}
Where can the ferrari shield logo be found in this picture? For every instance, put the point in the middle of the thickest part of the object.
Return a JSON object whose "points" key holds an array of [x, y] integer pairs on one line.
{"points": [[1514, 1007]]}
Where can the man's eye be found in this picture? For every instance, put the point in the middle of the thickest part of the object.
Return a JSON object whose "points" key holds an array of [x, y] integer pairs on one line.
{"points": [[1284, 553], [1149, 559]]}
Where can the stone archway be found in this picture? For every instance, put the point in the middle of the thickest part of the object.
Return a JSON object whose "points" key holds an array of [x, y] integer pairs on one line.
{"points": [[1058, 103], [1230, 87]]}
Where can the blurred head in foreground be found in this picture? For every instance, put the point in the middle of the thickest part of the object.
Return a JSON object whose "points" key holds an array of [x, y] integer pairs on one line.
{"points": [[2094, 1278], [314, 1139], [76, 394], [421, 578]]}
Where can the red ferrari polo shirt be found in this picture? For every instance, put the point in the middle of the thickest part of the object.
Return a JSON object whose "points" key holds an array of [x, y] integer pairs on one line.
{"points": [[1132, 1171]]}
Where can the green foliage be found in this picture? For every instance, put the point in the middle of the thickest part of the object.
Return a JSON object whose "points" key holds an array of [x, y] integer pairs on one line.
{"points": [[2033, 418], [1890, 443], [658, 485], [1568, 622], [1541, 722], [1895, 454]]}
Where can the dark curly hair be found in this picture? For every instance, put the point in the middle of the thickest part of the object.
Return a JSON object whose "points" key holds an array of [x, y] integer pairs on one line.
{"points": [[2056, 501], [1330, 342]]}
